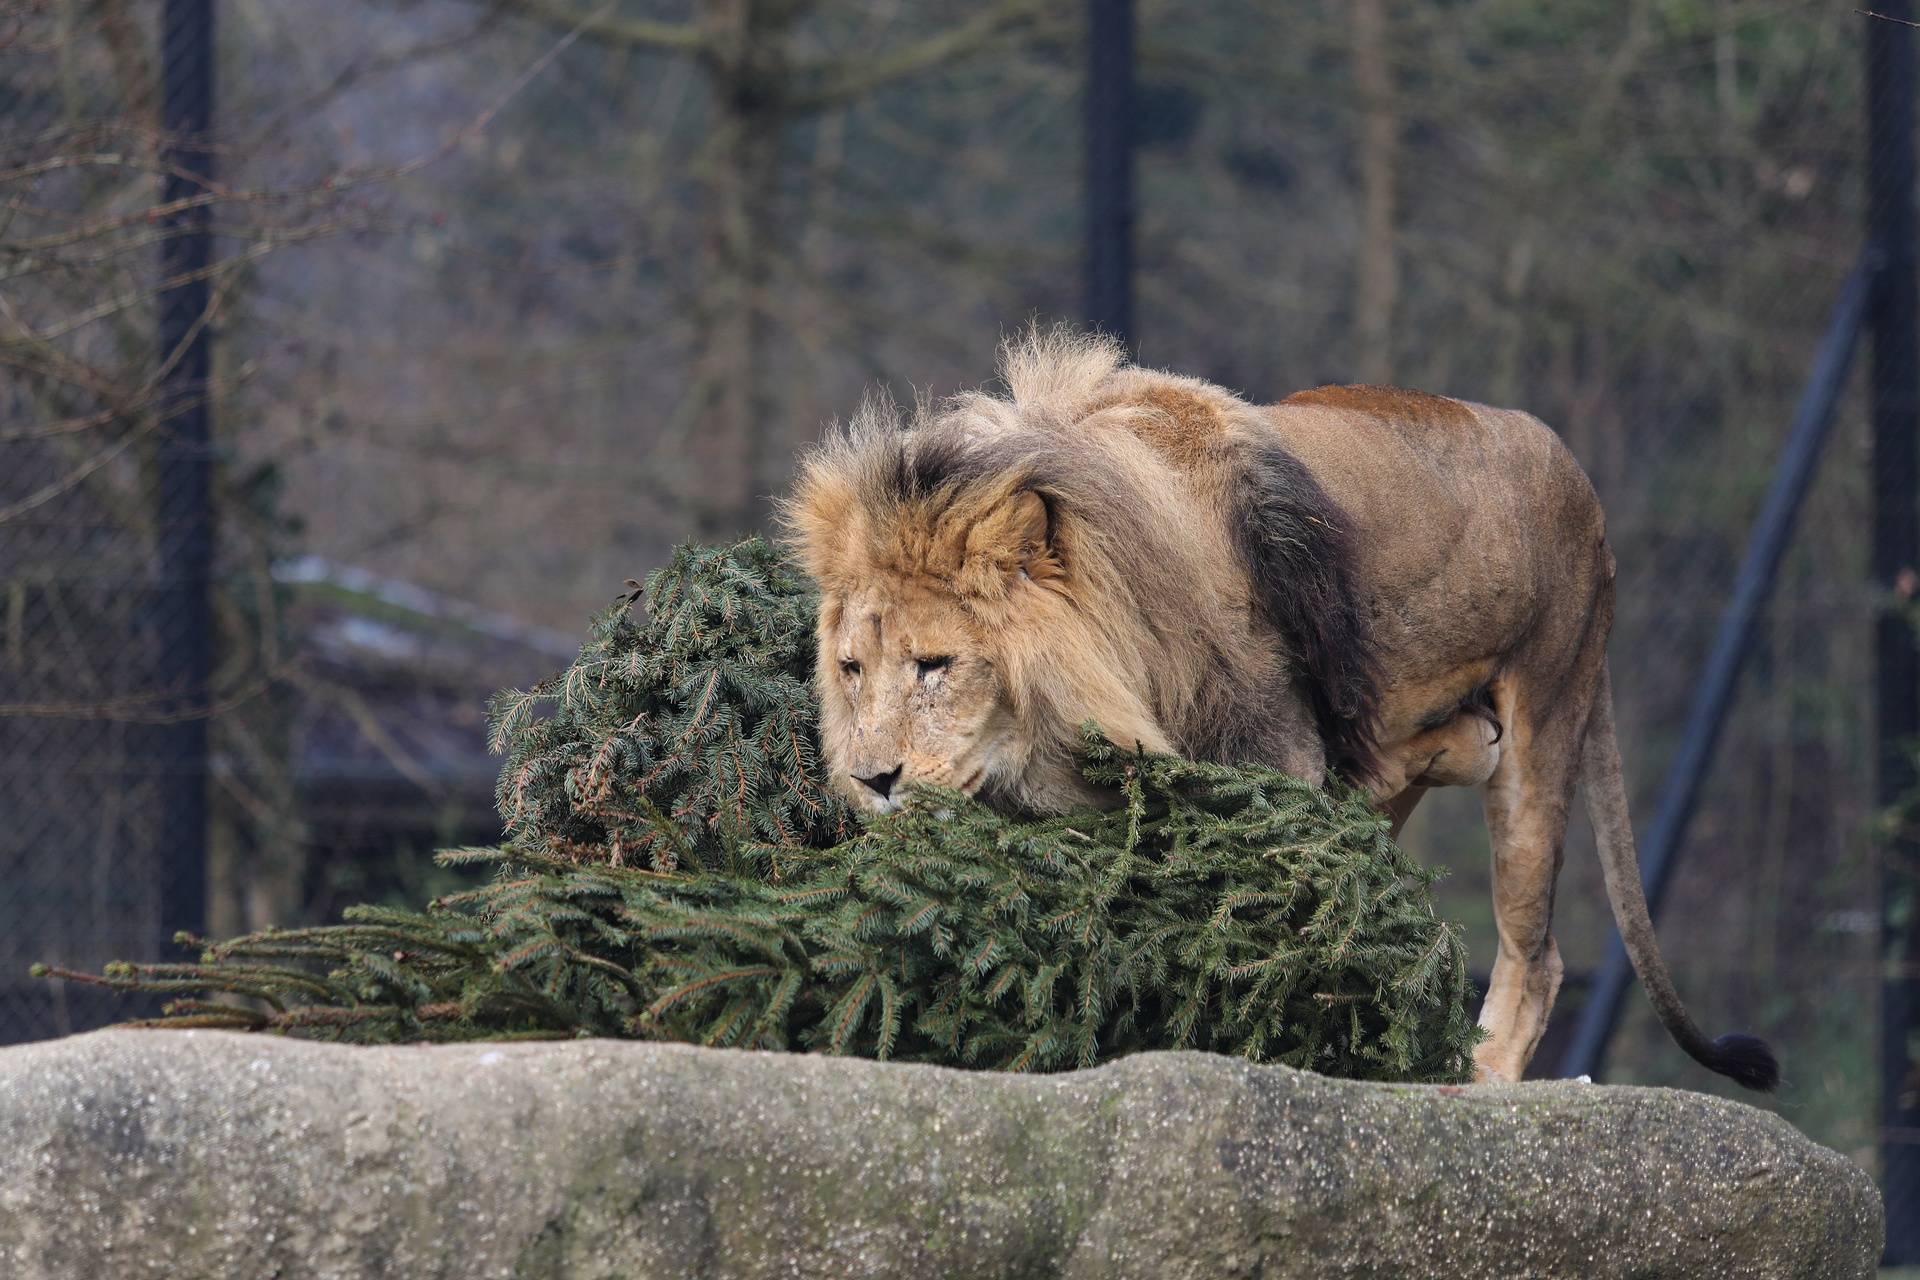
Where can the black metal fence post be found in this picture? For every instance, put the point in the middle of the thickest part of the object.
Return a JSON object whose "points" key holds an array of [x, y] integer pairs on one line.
{"points": [[1894, 382], [180, 614], [1109, 142]]}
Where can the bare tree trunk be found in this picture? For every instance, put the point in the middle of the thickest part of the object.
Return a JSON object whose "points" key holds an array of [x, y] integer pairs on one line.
{"points": [[731, 439], [733, 453], [1378, 286]]}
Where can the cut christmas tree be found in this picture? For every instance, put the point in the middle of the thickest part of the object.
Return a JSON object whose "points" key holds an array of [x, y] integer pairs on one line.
{"points": [[675, 867]]}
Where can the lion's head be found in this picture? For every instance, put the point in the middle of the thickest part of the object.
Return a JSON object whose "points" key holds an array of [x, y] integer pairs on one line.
{"points": [[922, 674], [970, 618]]}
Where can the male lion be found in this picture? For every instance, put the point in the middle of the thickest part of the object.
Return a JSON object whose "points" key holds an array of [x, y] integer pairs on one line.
{"points": [[1404, 590]]}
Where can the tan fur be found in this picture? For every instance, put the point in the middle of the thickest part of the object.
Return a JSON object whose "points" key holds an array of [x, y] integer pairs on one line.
{"points": [[1396, 404], [1090, 573]]}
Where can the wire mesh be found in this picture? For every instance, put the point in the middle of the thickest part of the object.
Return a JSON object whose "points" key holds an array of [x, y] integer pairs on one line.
{"points": [[86, 762], [522, 293]]}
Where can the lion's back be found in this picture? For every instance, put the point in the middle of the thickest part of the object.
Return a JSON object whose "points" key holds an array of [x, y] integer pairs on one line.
{"points": [[1463, 511], [1404, 453]]}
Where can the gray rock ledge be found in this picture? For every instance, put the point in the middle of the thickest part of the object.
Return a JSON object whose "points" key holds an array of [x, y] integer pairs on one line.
{"points": [[205, 1154]]}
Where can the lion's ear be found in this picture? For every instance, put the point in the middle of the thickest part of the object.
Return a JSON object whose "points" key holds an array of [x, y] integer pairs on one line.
{"points": [[822, 520], [1013, 537]]}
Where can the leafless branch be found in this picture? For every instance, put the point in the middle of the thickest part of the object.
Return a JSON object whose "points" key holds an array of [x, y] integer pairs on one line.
{"points": [[844, 80], [599, 26]]}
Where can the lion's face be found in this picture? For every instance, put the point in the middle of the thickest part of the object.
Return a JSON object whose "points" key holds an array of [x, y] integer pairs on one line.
{"points": [[953, 650], [913, 694]]}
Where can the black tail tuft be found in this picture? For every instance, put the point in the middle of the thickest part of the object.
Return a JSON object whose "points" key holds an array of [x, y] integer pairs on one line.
{"points": [[1745, 1060]]}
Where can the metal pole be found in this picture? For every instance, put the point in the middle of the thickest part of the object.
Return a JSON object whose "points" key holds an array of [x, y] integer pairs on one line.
{"points": [[181, 622], [1812, 416], [1109, 142], [1894, 399]]}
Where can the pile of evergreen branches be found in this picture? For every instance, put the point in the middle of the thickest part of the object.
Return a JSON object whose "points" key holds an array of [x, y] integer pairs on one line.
{"points": [[676, 868]]}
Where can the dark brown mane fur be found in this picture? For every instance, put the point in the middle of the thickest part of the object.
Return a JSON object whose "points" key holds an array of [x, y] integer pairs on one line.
{"points": [[1299, 553]]}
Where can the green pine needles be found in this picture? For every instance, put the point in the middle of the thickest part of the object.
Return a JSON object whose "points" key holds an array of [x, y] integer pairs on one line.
{"points": [[676, 868], [682, 741]]}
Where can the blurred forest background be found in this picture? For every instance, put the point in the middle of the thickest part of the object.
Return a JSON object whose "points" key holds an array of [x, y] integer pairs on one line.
{"points": [[512, 295]]}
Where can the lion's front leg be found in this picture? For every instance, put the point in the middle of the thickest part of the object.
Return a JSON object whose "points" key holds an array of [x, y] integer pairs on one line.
{"points": [[1400, 807]]}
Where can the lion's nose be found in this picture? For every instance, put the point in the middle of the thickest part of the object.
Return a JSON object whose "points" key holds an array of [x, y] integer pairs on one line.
{"points": [[881, 784]]}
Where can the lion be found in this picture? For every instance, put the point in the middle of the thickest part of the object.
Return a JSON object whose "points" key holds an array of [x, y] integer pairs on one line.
{"points": [[1391, 588]]}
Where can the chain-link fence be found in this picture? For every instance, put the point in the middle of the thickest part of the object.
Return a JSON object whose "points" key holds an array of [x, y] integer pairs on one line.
{"points": [[103, 506], [510, 295]]}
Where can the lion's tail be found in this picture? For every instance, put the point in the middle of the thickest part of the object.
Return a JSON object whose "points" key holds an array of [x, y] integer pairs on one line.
{"points": [[1745, 1059]]}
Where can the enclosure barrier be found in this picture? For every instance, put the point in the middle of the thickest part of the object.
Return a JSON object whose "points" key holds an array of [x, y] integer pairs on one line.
{"points": [[1586, 1055], [182, 613], [1880, 295], [1894, 400]]}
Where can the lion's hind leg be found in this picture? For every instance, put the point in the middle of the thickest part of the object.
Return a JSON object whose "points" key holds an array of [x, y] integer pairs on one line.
{"points": [[1525, 800]]}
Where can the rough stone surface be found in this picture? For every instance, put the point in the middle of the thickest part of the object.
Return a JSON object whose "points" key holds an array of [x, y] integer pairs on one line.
{"points": [[203, 1154]]}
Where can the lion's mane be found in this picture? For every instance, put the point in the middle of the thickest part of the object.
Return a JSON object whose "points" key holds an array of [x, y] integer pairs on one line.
{"points": [[1193, 568]]}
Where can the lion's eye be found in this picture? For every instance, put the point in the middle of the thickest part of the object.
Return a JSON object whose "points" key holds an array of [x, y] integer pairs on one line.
{"points": [[927, 666], [850, 667]]}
